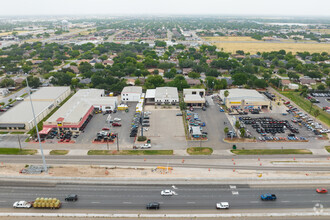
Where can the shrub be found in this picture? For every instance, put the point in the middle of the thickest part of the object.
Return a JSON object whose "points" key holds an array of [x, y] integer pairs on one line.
{"points": [[142, 138]]}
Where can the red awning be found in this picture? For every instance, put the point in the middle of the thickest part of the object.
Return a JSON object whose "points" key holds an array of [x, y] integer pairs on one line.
{"points": [[45, 131]]}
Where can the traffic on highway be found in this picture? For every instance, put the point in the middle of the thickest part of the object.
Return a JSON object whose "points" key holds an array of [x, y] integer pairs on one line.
{"points": [[184, 197]]}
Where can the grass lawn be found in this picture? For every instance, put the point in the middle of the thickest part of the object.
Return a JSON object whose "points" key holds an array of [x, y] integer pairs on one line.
{"points": [[4, 132], [305, 104], [59, 152], [130, 152], [17, 151], [270, 151], [17, 132], [199, 150], [327, 148]]}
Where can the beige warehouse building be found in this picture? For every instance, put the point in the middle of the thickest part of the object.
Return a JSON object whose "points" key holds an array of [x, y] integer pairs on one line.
{"points": [[244, 99]]}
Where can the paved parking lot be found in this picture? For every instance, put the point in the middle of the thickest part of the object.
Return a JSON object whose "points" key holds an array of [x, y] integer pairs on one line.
{"points": [[166, 130], [323, 102], [303, 131], [99, 121], [215, 124]]}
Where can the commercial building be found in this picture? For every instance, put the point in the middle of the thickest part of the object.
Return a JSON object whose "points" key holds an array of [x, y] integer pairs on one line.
{"points": [[162, 95], [194, 97], [44, 100], [131, 93], [244, 99], [75, 114], [4, 91]]}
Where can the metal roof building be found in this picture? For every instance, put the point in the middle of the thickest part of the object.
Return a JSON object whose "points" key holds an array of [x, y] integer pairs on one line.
{"points": [[44, 100], [244, 98], [77, 111]]}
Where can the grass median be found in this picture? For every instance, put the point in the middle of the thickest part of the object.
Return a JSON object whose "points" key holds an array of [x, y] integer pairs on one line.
{"points": [[270, 151], [199, 150], [17, 151], [59, 152], [130, 152], [327, 148]]}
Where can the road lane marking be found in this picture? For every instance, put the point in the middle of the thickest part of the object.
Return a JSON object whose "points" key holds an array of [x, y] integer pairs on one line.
{"points": [[95, 202], [127, 202], [316, 200], [3, 201], [232, 187], [191, 202], [234, 192]]}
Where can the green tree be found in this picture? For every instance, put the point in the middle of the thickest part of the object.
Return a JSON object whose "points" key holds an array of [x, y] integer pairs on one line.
{"points": [[237, 124], [170, 74], [242, 131], [317, 113], [226, 130], [7, 82], [240, 78], [194, 75], [179, 82], [154, 81], [321, 87], [34, 82]]}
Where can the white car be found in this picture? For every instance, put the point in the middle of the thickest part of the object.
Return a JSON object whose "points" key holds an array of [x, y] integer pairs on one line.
{"points": [[19, 99], [222, 205], [116, 119], [167, 192], [22, 204], [145, 146]]}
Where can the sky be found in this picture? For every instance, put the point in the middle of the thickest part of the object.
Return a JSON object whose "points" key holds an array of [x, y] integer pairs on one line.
{"points": [[164, 7]]}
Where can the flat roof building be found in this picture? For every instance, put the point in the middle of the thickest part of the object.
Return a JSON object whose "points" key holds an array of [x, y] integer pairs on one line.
{"points": [[194, 97], [44, 100], [76, 112], [166, 95], [244, 99], [131, 93]]}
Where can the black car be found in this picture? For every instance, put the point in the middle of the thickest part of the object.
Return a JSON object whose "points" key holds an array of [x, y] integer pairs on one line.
{"points": [[71, 197], [153, 205]]}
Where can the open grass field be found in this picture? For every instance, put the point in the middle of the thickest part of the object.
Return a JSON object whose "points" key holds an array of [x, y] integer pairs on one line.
{"points": [[229, 39], [199, 150], [305, 104], [255, 47], [322, 31], [270, 151], [9, 33], [327, 148], [130, 152]]}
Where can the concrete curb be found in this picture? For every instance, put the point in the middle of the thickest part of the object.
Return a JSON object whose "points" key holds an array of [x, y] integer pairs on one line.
{"points": [[236, 215]]}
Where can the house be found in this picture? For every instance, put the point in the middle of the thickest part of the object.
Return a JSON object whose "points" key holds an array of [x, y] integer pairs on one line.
{"points": [[307, 81], [108, 62], [131, 93], [186, 71], [193, 82], [74, 69], [293, 86], [194, 97], [285, 82], [85, 81]]}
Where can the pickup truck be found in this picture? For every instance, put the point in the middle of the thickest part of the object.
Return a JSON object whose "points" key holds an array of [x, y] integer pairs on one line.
{"points": [[22, 204], [268, 196]]}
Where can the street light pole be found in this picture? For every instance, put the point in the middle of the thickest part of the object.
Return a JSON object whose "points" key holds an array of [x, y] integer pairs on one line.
{"points": [[117, 142], [37, 130], [19, 142]]}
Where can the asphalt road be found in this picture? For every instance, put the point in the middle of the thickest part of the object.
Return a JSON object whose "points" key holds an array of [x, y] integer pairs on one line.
{"points": [[158, 161], [187, 198]]}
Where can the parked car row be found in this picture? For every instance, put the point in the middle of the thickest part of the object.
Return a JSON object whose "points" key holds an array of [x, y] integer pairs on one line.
{"points": [[325, 94]]}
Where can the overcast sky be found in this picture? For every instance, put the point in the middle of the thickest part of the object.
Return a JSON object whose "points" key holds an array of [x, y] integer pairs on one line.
{"points": [[214, 7]]}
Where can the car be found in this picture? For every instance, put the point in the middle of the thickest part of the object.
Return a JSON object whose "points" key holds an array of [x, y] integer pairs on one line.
{"points": [[179, 114], [167, 192], [11, 105], [221, 109], [68, 140], [222, 205], [71, 197], [116, 119], [106, 128], [145, 125], [204, 108], [75, 136], [145, 146], [22, 204], [287, 103], [321, 190], [153, 205], [19, 99], [268, 197], [116, 124]]}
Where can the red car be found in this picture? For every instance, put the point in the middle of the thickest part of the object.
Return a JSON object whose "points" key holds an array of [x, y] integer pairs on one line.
{"points": [[106, 129], [322, 190], [287, 103], [67, 140], [116, 125]]}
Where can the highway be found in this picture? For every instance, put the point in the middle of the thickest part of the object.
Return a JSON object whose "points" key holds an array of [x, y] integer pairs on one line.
{"points": [[187, 198], [158, 161]]}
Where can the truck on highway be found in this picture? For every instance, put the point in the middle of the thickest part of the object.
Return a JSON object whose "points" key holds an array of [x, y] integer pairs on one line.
{"points": [[268, 196], [47, 203]]}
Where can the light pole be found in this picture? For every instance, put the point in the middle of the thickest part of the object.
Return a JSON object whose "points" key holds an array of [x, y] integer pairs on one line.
{"points": [[19, 142], [37, 130], [117, 136]]}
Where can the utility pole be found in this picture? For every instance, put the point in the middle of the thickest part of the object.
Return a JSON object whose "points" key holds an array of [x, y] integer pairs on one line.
{"points": [[142, 116], [107, 144], [37, 130], [117, 142], [19, 142]]}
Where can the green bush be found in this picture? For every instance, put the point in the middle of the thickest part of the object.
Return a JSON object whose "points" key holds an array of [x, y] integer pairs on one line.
{"points": [[142, 138]]}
